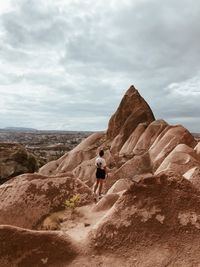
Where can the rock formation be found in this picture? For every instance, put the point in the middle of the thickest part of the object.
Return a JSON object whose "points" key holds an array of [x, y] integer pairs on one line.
{"points": [[181, 158], [15, 160], [193, 175], [20, 247], [197, 149], [129, 145], [132, 110], [27, 199], [84, 151], [151, 202], [167, 141], [149, 136], [159, 212]]}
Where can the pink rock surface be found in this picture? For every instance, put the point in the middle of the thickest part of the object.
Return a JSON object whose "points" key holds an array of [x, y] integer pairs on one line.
{"points": [[181, 159], [149, 136], [132, 110], [129, 145], [26, 200], [169, 138], [86, 150], [193, 175], [22, 247]]}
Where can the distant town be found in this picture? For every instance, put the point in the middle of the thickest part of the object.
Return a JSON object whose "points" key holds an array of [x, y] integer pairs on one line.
{"points": [[44, 145]]}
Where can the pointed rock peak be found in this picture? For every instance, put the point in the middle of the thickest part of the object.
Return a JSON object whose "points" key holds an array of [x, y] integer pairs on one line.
{"points": [[132, 110], [131, 90]]}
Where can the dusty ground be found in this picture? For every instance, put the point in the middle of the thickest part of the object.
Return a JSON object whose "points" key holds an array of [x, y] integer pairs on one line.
{"points": [[76, 224]]}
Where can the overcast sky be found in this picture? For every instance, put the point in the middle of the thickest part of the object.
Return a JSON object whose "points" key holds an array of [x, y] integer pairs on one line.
{"points": [[65, 64]]}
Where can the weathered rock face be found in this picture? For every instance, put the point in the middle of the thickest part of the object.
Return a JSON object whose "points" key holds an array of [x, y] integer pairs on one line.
{"points": [[86, 170], [169, 138], [143, 213], [193, 175], [129, 145], [181, 159], [20, 247], [148, 213], [15, 160], [86, 150], [135, 166], [28, 198], [132, 110], [106, 202], [197, 149], [149, 136], [134, 144], [120, 185]]}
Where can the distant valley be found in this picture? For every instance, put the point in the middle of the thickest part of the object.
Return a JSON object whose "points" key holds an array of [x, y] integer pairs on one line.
{"points": [[44, 145]]}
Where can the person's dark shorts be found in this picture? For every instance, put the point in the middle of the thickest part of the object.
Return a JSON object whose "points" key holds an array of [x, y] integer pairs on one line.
{"points": [[100, 174]]}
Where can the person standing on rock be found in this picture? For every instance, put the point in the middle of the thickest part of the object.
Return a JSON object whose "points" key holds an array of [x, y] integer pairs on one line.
{"points": [[100, 164]]}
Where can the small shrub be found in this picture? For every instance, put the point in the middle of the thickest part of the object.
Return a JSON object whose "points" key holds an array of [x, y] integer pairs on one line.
{"points": [[73, 202]]}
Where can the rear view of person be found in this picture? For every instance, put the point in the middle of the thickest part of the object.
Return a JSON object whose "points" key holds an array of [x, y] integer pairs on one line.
{"points": [[100, 164]]}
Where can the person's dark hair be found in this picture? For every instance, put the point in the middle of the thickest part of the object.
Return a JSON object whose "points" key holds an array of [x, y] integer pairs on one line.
{"points": [[101, 153]]}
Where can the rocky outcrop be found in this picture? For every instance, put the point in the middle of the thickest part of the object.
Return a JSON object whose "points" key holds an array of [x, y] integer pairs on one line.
{"points": [[135, 166], [27, 199], [193, 175], [86, 150], [149, 136], [169, 138], [21, 247], [86, 170], [120, 185], [132, 110], [129, 145], [106, 202], [181, 159], [148, 213], [197, 149], [149, 207], [15, 160]]}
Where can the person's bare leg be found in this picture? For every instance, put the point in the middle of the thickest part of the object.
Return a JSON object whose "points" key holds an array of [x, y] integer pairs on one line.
{"points": [[96, 185], [100, 186]]}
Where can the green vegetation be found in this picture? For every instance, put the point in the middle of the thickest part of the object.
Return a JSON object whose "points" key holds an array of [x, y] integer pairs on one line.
{"points": [[73, 202]]}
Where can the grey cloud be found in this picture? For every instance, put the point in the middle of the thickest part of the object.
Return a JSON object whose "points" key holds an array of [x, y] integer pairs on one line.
{"points": [[101, 51]]}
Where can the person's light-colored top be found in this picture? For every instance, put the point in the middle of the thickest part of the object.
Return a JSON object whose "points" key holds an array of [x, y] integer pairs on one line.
{"points": [[100, 163]]}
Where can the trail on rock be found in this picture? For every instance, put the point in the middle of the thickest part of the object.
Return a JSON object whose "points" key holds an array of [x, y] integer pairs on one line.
{"points": [[83, 222], [76, 224]]}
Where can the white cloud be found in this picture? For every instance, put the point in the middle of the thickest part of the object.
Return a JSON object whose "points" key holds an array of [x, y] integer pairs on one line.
{"points": [[65, 60], [6, 6], [188, 88]]}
